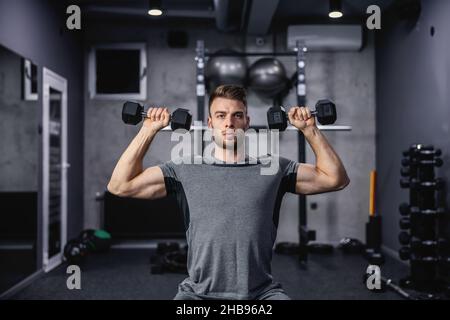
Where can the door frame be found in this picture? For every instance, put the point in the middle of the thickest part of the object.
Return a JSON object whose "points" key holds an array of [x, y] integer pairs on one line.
{"points": [[55, 81]]}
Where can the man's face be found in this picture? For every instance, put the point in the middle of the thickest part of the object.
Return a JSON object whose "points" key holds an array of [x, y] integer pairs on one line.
{"points": [[228, 118]]}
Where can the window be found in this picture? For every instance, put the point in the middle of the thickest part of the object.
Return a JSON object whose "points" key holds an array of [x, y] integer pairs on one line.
{"points": [[118, 71]]}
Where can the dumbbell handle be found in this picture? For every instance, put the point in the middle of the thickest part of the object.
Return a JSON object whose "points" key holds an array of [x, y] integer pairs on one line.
{"points": [[144, 114], [313, 112], [325, 113]]}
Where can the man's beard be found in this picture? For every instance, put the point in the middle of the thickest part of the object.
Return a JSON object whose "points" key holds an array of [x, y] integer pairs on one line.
{"points": [[228, 144]]}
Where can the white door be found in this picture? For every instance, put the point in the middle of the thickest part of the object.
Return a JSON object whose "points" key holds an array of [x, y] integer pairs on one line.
{"points": [[55, 166]]}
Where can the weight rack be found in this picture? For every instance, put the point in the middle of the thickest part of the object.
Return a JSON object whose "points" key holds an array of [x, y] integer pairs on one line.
{"points": [[422, 238]]}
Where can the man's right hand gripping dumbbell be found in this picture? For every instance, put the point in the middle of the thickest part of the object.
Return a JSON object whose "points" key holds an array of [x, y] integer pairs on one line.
{"points": [[156, 118]]}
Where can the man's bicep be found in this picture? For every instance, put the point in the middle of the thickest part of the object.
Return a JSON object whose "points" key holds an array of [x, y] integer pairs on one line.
{"points": [[149, 184], [310, 180]]}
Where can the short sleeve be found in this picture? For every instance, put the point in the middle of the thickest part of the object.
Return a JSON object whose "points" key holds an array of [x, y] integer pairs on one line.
{"points": [[289, 170], [170, 177]]}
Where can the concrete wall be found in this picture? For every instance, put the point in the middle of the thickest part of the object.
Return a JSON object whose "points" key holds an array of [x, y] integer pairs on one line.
{"points": [[37, 30], [412, 101], [347, 78], [19, 149]]}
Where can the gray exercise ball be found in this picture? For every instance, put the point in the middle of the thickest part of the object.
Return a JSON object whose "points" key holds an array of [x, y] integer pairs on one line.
{"points": [[225, 70], [267, 77]]}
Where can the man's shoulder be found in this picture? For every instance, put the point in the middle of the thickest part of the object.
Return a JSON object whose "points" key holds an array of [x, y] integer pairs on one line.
{"points": [[184, 160], [269, 157]]}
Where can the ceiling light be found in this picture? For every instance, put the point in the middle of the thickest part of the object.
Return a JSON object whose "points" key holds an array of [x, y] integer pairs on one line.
{"points": [[335, 9], [155, 8]]}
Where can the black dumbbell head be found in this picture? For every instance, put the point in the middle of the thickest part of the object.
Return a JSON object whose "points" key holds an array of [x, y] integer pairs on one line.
{"points": [[326, 112], [405, 172], [404, 209], [404, 253], [181, 119], [277, 118], [439, 183], [132, 112], [405, 223], [404, 183], [75, 251], [406, 162], [404, 238]]}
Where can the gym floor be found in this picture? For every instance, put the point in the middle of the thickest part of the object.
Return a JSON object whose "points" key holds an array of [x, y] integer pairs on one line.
{"points": [[125, 274]]}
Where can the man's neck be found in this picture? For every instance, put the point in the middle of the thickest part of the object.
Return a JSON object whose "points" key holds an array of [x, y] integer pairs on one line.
{"points": [[228, 156]]}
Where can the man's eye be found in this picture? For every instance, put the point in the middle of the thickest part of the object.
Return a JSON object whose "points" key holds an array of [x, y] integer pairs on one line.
{"points": [[220, 116], [239, 115]]}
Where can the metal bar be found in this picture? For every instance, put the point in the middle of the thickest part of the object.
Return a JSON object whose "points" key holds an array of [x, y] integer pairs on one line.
{"points": [[200, 79], [289, 128], [251, 54], [300, 64]]}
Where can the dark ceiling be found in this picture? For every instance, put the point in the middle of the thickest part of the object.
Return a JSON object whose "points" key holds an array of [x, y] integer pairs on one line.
{"points": [[251, 16]]}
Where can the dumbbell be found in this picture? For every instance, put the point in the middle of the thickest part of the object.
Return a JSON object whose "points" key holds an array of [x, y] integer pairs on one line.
{"points": [[437, 184], [96, 241], [325, 113], [88, 241], [422, 150], [75, 251], [414, 161], [405, 172], [406, 239], [133, 113], [405, 209], [405, 223], [404, 253]]}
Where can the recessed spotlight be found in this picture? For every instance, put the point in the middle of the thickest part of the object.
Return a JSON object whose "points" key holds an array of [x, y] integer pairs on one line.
{"points": [[155, 8], [155, 12], [335, 9]]}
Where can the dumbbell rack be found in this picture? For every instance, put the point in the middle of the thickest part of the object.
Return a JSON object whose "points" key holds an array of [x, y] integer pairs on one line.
{"points": [[421, 222]]}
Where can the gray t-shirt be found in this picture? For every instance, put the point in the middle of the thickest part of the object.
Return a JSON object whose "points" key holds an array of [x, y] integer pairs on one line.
{"points": [[231, 216]]}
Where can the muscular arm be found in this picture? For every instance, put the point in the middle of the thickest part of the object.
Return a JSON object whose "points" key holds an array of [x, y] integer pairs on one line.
{"points": [[328, 174], [128, 178]]}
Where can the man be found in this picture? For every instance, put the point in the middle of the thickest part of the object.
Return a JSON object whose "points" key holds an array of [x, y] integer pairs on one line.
{"points": [[230, 209]]}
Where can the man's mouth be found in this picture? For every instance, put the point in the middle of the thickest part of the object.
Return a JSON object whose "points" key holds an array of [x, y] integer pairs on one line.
{"points": [[229, 134]]}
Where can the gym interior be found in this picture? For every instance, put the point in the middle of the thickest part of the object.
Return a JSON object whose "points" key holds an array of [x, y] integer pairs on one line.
{"points": [[69, 68]]}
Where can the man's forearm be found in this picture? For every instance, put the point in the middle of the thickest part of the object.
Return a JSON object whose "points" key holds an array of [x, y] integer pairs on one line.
{"points": [[130, 163], [327, 159]]}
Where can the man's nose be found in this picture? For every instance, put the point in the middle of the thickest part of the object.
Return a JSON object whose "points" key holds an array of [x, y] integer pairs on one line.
{"points": [[229, 123]]}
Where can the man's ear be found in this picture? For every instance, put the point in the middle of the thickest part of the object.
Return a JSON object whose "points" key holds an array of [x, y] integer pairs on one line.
{"points": [[248, 123], [209, 122]]}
